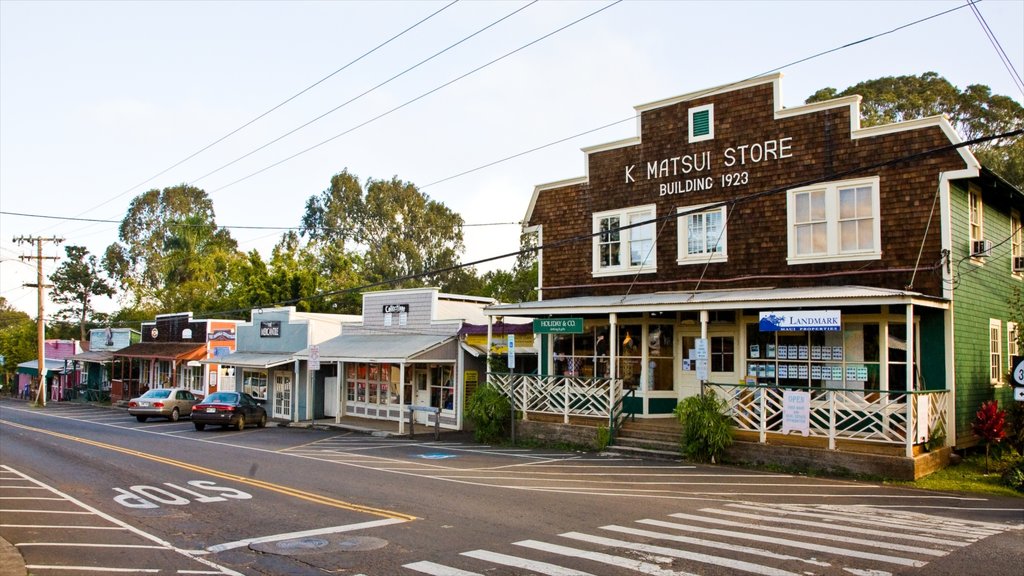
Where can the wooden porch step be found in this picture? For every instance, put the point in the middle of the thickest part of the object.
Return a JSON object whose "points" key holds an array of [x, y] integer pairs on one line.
{"points": [[646, 450]]}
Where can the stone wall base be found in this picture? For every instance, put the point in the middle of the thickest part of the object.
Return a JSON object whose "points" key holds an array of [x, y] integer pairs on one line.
{"points": [[558, 433]]}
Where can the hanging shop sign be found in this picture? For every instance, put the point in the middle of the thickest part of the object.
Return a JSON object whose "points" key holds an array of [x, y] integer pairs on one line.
{"points": [[811, 320], [558, 326]]}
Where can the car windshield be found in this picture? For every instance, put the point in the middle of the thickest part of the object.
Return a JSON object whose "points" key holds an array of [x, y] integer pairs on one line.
{"points": [[226, 397], [157, 394]]}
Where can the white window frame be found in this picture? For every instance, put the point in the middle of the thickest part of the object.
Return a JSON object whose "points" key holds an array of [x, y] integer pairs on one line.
{"points": [[683, 227], [975, 215], [1011, 344], [625, 238], [711, 124], [832, 223], [995, 351]]}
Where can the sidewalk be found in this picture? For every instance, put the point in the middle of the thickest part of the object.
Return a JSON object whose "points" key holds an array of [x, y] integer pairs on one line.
{"points": [[11, 562]]}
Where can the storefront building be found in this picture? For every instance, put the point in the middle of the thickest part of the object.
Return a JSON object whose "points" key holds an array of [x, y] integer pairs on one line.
{"points": [[264, 365], [755, 249], [169, 356], [97, 361], [61, 374], [404, 351]]}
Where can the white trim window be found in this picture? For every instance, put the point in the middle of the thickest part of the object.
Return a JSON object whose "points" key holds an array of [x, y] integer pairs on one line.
{"points": [[1011, 343], [702, 235], [976, 215], [621, 250], [995, 351], [834, 221]]}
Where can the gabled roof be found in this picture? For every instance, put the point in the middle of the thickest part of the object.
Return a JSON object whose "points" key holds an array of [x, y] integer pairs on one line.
{"points": [[377, 347], [163, 350]]}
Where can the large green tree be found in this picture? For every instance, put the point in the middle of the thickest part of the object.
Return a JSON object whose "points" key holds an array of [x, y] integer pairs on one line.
{"points": [[17, 339], [169, 235], [973, 111], [76, 282], [388, 229]]}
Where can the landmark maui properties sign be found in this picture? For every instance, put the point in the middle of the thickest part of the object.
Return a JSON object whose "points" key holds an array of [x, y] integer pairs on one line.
{"points": [[812, 320]]}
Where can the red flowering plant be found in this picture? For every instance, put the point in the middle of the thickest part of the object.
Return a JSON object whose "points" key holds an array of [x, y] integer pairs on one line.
{"points": [[989, 424]]}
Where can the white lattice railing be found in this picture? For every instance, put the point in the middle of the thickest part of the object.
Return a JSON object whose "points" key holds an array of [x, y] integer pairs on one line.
{"points": [[856, 415], [561, 395]]}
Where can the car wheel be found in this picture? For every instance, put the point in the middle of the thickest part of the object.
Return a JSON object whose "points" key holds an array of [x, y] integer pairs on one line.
{"points": [[263, 421], [141, 418], [174, 415], [199, 426], [241, 423]]}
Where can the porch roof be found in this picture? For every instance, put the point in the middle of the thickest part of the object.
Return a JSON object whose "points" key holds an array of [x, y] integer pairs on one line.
{"points": [[52, 366], [377, 347], [93, 356], [816, 296], [252, 359], [163, 350]]}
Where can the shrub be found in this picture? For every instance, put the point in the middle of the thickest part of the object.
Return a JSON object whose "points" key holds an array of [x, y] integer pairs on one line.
{"points": [[1014, 476], [988, 424], [489, 411], [603, 437], [706, 428]]}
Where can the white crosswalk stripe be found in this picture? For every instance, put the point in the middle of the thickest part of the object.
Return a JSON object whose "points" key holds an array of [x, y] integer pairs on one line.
{"points": [[777, 546]]}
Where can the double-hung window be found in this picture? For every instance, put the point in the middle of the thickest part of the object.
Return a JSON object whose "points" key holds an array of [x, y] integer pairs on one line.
{"points": [[624, 241], [995, 351], [701, 235], [1016, 243], [977, 215], [834, 221]]}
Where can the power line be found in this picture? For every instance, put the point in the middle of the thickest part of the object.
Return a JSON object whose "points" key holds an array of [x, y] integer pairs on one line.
{"points": [[1014, 76], [232, 227], [272, 109], [364, 93], [420, 97]]}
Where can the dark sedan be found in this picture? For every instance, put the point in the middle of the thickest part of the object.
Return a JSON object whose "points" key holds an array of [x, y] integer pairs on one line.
{"points": [[229, 409]]}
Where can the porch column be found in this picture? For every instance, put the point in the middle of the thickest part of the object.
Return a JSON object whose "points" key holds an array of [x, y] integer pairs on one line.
{"points": [[490, 330], [295, 383], [911, 384], [401, 390], [340, 371], [613, 345]]}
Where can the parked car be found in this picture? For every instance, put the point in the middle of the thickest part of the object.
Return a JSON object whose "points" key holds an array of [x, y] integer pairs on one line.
{"points": [[170, 403], [229, 409]]}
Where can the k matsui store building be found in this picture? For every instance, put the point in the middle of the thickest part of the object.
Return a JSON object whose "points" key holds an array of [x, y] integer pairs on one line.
{"points": [[844, 289]]}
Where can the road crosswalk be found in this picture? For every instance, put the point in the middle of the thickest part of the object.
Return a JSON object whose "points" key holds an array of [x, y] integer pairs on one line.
{"points": [[749, 538]]}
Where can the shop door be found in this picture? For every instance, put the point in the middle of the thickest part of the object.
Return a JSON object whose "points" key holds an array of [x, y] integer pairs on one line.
{"points": [[723, 359], [332, 392], [282, 395], [421, 390]]}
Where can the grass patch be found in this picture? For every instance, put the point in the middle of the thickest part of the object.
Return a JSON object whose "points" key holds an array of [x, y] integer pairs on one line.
{"points": [[969, 476]]}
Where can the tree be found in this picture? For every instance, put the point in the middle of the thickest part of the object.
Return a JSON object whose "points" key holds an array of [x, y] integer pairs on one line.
{"points": [[195, 261], [520, 283], [9, 315], [138, 262], [171, 254], [393, 232], [75, 282], [974, 112]]}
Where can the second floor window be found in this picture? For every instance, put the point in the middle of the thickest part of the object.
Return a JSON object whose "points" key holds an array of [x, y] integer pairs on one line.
{"points": [[975, 208], [620, 247], [834, 221], [701, 235]]}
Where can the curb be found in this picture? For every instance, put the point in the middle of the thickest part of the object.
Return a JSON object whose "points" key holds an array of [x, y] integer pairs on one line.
{"points": [[11, 561]]}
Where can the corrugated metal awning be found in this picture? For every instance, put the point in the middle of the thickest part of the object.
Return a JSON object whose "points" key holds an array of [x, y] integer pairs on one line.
{"points": [[252, 359], [379, 347], [721, 300]]}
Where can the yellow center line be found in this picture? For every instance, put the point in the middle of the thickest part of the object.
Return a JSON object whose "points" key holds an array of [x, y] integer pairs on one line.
{"points": [[308, 496]]}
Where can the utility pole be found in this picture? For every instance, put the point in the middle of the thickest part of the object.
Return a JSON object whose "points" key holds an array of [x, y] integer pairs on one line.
{"points": [[40, 322]]}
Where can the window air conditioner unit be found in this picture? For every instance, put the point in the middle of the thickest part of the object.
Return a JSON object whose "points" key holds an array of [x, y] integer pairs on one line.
{"points": [[981, 248], [1018, 263]]}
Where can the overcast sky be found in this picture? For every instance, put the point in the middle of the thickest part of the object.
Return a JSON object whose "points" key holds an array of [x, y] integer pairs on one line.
{"points": [[98, 98]]}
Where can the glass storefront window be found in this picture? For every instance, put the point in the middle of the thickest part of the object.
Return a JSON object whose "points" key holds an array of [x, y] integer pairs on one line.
{"points": [[630, 354], [442, 388], [371, 383], [254, 383], [660, 356]]}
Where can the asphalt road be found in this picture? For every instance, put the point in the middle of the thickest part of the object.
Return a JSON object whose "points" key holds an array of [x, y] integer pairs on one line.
{"points": [[87, 489]]}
